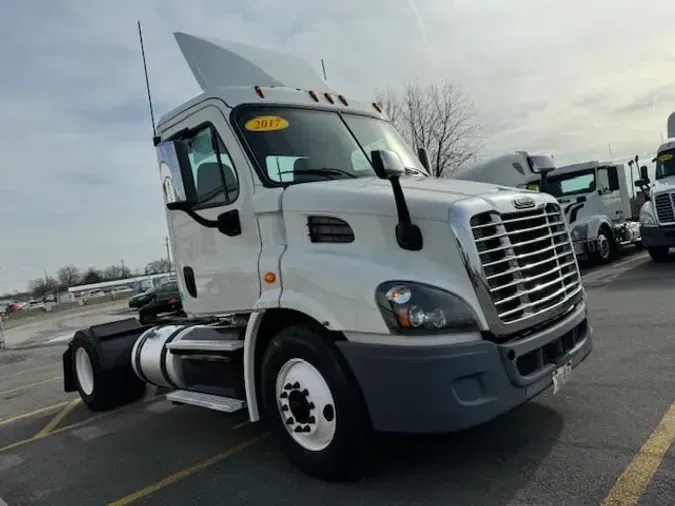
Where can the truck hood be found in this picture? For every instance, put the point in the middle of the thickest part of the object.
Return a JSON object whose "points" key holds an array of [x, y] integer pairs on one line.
{"points": [[666, 184], [427, 198]]}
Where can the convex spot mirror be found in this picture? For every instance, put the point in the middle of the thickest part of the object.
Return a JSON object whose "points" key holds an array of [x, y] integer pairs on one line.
{"points": [[175, 173], [387, 164]]}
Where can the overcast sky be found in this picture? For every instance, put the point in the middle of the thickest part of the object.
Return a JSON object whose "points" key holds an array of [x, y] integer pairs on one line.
{"points": [[80, 183]]}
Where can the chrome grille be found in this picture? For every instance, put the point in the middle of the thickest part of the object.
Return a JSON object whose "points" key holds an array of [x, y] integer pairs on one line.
{"points": [[527, 260], [665, 207]]}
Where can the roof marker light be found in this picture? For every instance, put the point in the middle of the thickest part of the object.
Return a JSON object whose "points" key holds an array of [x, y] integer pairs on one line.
{"points": [[313, 95], [343, 99], [329, 98], [377, 107], [259, 91]]}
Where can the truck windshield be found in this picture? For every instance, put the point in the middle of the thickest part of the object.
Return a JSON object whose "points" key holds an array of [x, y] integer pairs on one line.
{"points": [[574, 183], [665, 164], [294, 145]]}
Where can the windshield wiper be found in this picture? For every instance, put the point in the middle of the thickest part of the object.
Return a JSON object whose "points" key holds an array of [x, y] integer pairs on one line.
{"points": [[325, 172]]}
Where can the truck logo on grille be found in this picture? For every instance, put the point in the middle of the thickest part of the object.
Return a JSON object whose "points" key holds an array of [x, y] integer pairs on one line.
{"points": [[523, 202]]}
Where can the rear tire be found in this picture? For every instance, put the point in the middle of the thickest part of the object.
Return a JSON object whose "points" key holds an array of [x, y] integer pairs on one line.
{"points": [[99, 389], [314, 405], [660, 254]]}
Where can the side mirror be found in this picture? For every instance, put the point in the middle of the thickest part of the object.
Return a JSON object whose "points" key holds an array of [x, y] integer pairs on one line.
{"points": [[387, 164], [423, 157], [175, 173], [643, 173]]}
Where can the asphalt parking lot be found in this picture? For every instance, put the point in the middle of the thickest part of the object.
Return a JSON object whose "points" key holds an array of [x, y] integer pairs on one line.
{"points": [[604, 439]]}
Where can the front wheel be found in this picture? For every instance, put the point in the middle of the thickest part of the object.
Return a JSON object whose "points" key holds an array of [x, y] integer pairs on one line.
{"points": [[604, 247], [314, 405], [659, 254]]}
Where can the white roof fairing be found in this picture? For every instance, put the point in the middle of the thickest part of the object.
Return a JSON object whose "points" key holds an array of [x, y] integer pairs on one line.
{"points": [[219, 64]]}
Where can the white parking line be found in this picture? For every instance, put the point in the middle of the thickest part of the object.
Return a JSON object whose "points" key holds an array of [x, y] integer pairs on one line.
{"points": [[612, 268], [2, 503]]}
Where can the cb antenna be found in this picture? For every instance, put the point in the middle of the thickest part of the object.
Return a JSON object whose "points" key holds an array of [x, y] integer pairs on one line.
{"points": [[155, 138]]}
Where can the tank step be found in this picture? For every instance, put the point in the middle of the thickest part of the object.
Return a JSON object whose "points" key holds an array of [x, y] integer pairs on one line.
{"points": [[203, 345], [208, 401]]}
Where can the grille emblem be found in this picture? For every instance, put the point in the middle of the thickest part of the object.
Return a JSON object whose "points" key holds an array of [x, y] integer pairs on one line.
{"points": [[523, 202]]}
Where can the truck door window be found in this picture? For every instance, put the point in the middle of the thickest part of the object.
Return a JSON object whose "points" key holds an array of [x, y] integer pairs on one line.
{"points": [[603, 180], [613, 176], [216, 185]]}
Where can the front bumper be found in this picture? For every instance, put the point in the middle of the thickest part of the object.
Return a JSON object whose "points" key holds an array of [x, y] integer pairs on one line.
{"points": [[655, 237], [434, 389]]}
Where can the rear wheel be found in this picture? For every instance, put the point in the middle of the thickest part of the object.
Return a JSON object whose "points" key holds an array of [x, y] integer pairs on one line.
{"points": [[314, 405], [659, 254], [102, 390]]}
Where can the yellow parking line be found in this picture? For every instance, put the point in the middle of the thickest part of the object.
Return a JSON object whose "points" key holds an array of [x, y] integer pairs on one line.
{"points": [[77, 424], [58, 418], [173, 478], [33, 413], [633, 482], [26, 387]]}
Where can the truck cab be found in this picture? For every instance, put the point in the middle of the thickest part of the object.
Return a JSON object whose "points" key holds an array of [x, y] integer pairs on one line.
{"points": [[657, 214], [332, 288]]}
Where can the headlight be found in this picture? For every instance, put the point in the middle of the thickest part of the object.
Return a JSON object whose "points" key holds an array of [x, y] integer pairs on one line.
{"points": [[647, 220], [413, 308], [580, 232]]}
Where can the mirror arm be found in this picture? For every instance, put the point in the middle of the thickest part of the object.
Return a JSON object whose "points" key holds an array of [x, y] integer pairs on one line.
{"points": [[408, 235], [179, 206]]}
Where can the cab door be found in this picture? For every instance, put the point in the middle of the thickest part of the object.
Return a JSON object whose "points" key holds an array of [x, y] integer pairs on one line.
{"points": [[217, 269]]}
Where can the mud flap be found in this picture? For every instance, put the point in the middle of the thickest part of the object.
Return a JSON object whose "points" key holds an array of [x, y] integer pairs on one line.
{"points": [[68, 373]]}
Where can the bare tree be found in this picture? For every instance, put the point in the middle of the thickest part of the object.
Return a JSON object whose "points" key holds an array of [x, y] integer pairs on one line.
{"points": [[159, 266], [115, 272], [439, 118], [68, 275], [39, 287], [91, 276]]}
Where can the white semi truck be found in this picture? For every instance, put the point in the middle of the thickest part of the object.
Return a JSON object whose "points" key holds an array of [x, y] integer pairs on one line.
{"points": [[331, 287], [657, 214], [594, 196]]}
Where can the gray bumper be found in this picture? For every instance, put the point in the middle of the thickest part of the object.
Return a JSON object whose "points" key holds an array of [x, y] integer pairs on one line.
{"points": [[433, 389], [655, 237]]}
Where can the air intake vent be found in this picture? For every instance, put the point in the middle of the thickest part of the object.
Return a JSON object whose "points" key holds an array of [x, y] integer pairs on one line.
{"points": [[327, 229]]}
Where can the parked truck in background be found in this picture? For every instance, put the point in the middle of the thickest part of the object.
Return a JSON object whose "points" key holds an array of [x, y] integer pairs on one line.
{"points": [[657, 214], [331, 287], [594, 196]]}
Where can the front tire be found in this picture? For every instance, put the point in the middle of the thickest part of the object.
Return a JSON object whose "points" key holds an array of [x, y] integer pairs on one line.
{"points": [[660, 254], [99, 389], [605, 248], [314, 405]]}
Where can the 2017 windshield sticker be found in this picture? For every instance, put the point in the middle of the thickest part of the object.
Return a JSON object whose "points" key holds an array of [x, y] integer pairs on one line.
{"points": [[665, 157], [266, 124]]}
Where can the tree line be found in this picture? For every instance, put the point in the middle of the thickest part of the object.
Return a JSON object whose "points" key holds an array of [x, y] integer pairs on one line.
{"points": [[71, 275]]}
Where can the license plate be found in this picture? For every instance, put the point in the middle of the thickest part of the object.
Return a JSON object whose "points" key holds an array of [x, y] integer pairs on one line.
{"points": [[561, 376]]}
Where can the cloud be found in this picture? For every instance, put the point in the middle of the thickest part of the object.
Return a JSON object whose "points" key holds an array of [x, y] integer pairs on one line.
{"points": [[79, 178]]}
